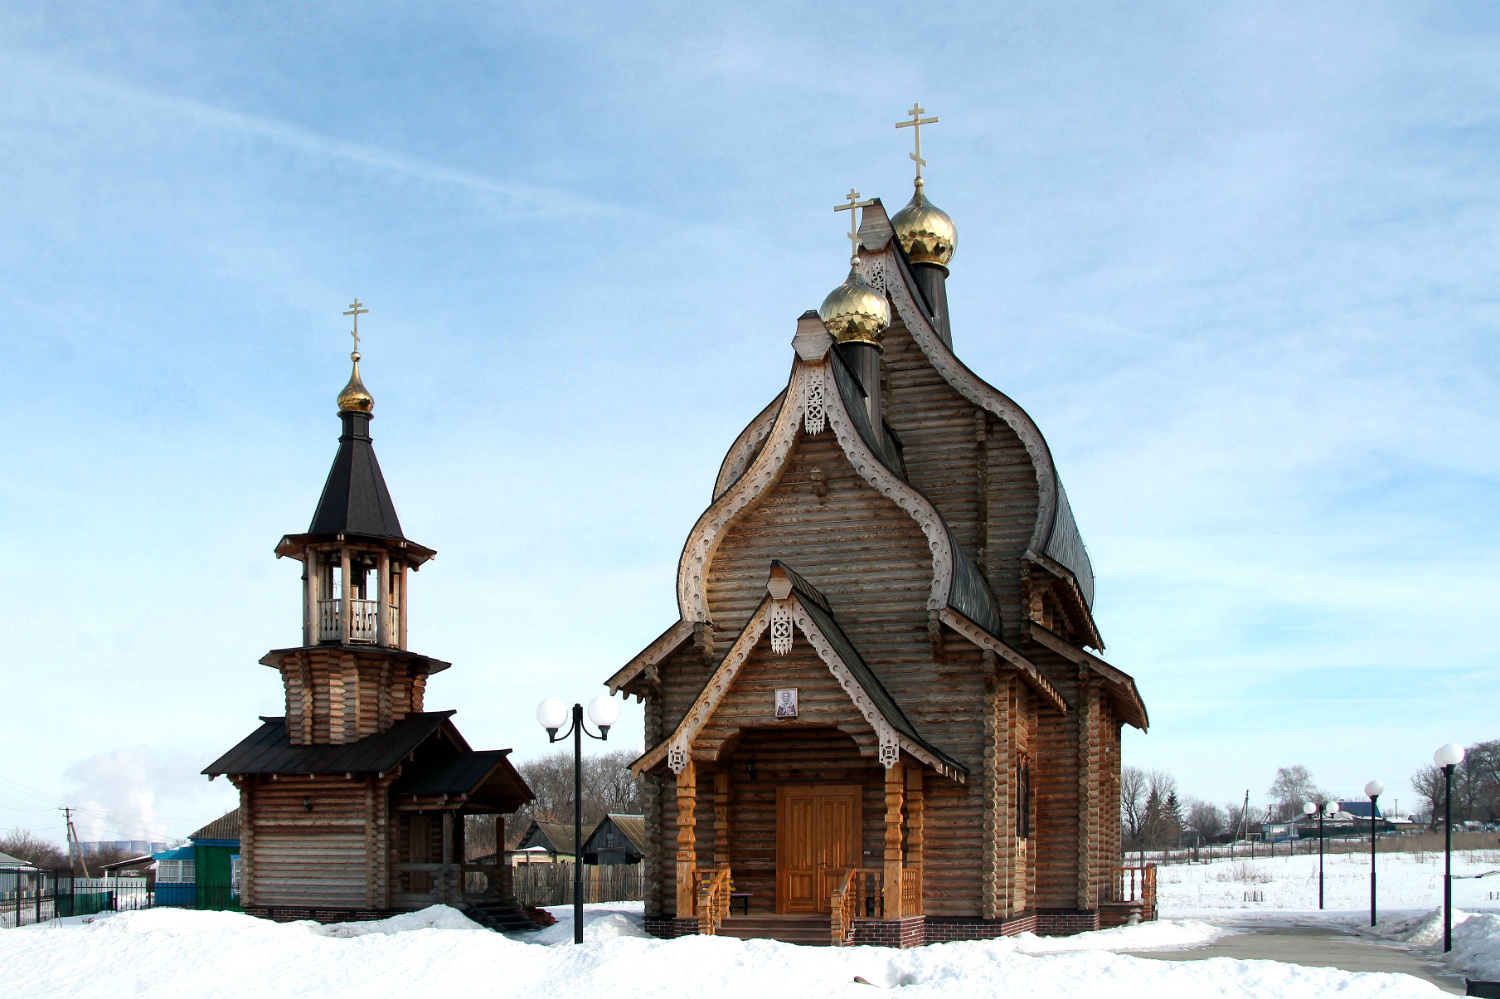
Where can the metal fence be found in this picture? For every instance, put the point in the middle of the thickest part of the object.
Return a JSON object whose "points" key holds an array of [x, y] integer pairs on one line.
{"points": [[552, 884], [44, 895]]}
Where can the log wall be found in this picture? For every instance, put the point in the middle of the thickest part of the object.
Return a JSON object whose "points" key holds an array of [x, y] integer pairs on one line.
{"points": [[298, 855]]}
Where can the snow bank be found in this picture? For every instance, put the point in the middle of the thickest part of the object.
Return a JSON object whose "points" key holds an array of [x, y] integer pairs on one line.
{"points": [[1476, 940], [169, 954]]}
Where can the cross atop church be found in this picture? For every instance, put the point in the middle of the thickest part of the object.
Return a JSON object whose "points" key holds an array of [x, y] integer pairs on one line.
{"points": [[916, 123], [356, 311], [854, 203]]}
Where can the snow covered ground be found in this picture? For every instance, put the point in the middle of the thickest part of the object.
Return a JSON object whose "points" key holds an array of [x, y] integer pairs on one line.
{"points": [[176, 954], [194, 955]]}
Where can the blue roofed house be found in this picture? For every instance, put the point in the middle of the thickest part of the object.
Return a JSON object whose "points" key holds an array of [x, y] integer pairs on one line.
{"points": [[205, 874]]}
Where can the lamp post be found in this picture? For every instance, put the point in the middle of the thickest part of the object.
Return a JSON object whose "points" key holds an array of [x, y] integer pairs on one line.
{"points": [[1448, 757], [1307, 809], [551, 714], [1373, 789]]}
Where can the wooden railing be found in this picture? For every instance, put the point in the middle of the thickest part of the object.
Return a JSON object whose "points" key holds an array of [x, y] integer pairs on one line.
{"points": [[849, 902], [362, 618], [911, 891], [451, 883], [714, 888], [1134, 886]]}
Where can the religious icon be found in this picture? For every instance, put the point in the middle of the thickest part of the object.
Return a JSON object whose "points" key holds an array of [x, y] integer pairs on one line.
{"points": [[786, 703]]}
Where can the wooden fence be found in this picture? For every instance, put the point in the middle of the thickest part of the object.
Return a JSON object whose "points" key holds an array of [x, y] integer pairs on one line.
{"points": [[552, 884]]}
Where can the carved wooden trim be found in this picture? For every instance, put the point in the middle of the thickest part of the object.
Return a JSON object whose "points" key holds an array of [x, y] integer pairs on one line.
{"points": [[1120, 682], [662, 646], [984, 640], [881, 270], [744, 447], [765, 472]]}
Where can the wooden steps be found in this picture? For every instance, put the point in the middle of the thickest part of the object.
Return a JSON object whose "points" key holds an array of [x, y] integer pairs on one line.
{"points": [[501, 915], [809, 931]]}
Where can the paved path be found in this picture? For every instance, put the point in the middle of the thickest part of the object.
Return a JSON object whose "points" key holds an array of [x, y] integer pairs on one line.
{"points": [[1316, 946]]}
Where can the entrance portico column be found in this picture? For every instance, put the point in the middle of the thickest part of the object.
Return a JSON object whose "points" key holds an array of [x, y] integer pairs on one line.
{"points": [[895, 792], [687, 856]]}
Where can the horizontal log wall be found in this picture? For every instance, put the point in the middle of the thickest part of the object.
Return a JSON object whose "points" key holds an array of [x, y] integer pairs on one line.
{"points": [[313, 856], [338, 696]]}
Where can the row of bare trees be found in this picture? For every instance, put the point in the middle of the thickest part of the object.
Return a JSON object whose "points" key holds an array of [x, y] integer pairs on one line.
{"points": [[608, 786], [1476, 785]]}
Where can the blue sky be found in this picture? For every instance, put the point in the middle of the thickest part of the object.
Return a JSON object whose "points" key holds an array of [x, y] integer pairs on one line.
{"points": [[1238, 260]]}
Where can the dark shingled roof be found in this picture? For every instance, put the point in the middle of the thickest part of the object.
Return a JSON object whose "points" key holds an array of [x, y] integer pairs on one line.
{"points": [[457, 774], [268, 750], [226, 826], [355, 499]]}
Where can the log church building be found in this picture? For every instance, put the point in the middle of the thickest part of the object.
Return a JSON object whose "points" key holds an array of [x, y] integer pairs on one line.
{"points": [[352, 804], [882, 716]]}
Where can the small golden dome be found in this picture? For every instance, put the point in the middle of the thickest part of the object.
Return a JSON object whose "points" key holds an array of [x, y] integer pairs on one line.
{"points": [[855, 312], [925, 230], [355, 398]]}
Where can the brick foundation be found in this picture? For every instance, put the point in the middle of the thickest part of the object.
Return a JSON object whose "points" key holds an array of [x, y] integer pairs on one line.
{"points": [[294, 913], [1065, 922], [908, 932], [668, 928], [943, 929]]}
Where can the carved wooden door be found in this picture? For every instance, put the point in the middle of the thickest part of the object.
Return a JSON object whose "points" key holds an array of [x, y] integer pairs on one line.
{"points": [[817, 841]]}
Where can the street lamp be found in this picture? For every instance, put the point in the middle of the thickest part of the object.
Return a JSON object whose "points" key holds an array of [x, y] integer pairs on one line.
{"points": [[1448, 757], [551, 714], [1373, 789], [1307, 809]]}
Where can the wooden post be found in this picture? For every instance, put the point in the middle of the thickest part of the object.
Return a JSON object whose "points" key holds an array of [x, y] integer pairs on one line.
{"points": [[895, 781], [401, 600], [687, 857], [721, 819], [309, 597], [382, 601], [1086, 797], [346, 607], [445, 889], [915, 833]]}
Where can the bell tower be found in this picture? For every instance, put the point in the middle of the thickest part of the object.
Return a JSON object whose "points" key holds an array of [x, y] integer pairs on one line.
{"points": [[353, 675]]}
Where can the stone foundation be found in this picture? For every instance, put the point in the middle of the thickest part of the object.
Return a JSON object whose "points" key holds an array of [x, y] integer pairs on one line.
{"points": [[943, 929], [669, 928], [908, 932], [294, 913]]}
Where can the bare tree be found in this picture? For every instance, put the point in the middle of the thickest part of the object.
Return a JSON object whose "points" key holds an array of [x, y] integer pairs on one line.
{"points": [[23, 844], [1162, 824], [1132, 802], [1292, 788], [608, 786], [1205, 819], [1428, 782]]}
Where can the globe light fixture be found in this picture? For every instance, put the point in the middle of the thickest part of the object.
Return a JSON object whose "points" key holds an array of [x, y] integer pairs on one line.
{"points": [[1448, 757], [552, 714]]}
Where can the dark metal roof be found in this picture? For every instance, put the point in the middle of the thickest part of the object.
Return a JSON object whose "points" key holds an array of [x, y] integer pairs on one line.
{"points": [[460, 773], [268, 750], [428, 664], [556, 837], [355, 499], [226, 826]]}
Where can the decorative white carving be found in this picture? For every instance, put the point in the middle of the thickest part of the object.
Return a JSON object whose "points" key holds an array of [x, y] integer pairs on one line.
{"points": [[763, 473], [781, 627], [872, 268], [970, 386], [815, 402], [742, 451], [890, 751], [676, 758]]}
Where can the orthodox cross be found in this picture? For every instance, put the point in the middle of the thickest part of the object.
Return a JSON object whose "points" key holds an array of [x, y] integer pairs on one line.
{"points": [[916, 123], [356, 312], [854, 203]]}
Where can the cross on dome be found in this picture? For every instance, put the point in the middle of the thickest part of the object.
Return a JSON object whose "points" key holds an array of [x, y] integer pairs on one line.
{"points": [[916, 123], [356, 311], [854, 203]]}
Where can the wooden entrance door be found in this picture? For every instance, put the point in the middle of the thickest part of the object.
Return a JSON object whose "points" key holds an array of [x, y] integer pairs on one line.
{"points": [[817, 841]]}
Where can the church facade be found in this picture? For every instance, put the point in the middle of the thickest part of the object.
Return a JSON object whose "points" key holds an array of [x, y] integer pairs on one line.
{"points": [[353, 803], [881, 716]]}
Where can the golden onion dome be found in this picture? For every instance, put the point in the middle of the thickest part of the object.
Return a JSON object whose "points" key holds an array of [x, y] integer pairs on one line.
{"points": [[854, 312], [925, 230], [355, 398]]}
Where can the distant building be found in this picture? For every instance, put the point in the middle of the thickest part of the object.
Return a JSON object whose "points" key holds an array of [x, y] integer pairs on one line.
{"points": [[205, 874], [554, 839], [617, 839]]}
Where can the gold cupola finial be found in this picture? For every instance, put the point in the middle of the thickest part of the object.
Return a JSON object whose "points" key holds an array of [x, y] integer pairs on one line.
{"points": [[924, 230], [854, 311], [355, 398]]}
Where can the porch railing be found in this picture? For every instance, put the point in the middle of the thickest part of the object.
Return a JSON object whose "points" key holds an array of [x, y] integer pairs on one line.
{"points": [[851, 900], [1134, 886], [428, 884], [714, 888], [911, 891]]}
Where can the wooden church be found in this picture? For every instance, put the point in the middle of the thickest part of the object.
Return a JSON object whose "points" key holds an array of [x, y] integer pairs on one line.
{"points": [[879, 718], [352, 804]]}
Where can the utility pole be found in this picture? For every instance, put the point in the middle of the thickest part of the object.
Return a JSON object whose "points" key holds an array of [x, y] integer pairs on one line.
{"points": [[73, 844]]}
